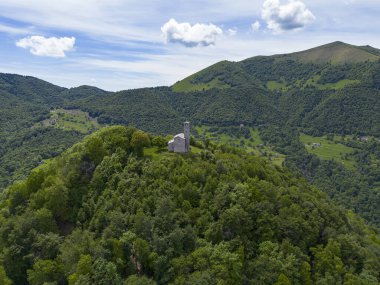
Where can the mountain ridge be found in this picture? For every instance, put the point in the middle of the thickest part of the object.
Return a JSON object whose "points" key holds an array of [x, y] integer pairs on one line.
{"points": [[335, 53]]}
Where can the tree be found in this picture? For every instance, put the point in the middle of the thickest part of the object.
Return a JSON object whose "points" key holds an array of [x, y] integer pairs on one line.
{"points": [[139, 280], [44, 271], [95, 149], [83, 272], [159, 141], [328, 264], [105, 273], [4, 280], [283, 280], [139, 141]]}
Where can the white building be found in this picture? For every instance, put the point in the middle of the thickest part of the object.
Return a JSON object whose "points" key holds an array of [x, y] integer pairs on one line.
{"points": [[181, 142]]}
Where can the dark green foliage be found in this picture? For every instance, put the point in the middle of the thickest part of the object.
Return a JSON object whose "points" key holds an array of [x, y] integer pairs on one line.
{"points": [[24, 102], [357, 107], [220, 217], [357, 189]]}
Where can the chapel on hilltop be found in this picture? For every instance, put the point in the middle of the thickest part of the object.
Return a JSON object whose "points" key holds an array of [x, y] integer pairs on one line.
{"points": [[181, 142]]}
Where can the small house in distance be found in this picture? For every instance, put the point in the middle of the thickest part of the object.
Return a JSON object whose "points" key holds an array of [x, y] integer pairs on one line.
{"points": [[181, 142], [315, 145]]}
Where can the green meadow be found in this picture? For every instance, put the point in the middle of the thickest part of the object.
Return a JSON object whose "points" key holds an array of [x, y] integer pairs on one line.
{"points": [[328, 149], [71, 120]]}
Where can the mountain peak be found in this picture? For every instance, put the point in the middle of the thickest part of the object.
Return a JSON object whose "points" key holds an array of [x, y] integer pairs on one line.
{"points": [[337, 53]]}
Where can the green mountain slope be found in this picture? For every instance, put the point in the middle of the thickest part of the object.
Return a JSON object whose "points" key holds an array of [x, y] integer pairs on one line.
{"points": [[24, 102], [103, 213], [337, 53]]}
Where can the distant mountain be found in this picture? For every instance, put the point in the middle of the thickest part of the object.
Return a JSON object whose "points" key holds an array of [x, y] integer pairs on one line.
{"points": [[341, 82], [26, 101], [336, 53], [114, 209]]}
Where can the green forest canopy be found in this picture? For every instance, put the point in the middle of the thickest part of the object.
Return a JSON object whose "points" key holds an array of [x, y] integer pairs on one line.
{"points": [[104, 213]]}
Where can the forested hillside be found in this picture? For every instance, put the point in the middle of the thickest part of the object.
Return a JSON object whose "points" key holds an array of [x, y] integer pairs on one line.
{"points": [[24, 102], [115, 209], [332, 90]]}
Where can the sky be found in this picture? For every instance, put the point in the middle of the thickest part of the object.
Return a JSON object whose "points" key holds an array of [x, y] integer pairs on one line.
{"points": [[125, 44]]}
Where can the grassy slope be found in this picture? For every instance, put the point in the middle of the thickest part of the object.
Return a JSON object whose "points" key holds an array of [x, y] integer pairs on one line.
{"points": [[191, 83], [71, 120], [330, 86], [186, 85], [335, 53], [329, 150]]}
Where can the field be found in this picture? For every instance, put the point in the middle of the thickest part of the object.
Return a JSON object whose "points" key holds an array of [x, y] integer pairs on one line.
{"points": [[71, 120], [328, 149]]}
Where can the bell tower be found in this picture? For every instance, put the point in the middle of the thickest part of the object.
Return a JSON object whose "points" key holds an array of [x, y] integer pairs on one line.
{"points": [[186, 132]]}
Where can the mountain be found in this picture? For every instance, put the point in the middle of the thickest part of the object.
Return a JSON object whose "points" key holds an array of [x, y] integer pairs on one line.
{"points": [[117, 209], [337, 53], [330, 91]]}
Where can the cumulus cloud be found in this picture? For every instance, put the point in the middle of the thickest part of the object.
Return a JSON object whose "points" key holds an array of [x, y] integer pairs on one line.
{"points": [[291, 16], [190, 35], [256, 26], [51, 47]]}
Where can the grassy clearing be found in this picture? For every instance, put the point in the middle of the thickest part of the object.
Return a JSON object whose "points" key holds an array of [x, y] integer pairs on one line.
{"points": [[71, 120], [274, 85], [156, 153], [330, 86], [193, 83], [186, 85], [328, 150], [256, 137]]}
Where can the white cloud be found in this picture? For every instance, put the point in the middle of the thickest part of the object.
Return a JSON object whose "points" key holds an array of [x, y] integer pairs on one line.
{"points": [[232, 32], [291, 16], [256, 26], [190, 35], [51, 47], [13, 30]]}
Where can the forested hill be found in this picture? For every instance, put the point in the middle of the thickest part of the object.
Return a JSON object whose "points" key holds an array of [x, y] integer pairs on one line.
{"points": [[117, 209]]}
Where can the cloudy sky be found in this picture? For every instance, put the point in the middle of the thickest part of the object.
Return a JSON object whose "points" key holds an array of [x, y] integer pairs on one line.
{"points": [[123, 44]]}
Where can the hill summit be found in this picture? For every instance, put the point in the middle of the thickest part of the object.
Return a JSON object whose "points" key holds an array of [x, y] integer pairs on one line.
{"points": [[337, 53], [119, 209]]}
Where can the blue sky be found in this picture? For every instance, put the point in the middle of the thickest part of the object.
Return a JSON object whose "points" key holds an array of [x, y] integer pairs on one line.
{"points": [[116, 44]]}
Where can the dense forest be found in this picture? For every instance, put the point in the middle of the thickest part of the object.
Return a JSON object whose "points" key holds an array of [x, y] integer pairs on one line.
{"points": [[117, 209], [316, 92], [357, 189]]}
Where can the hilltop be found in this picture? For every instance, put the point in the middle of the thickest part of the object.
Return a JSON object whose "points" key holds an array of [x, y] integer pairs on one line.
{"points": [[336, 53], [116, 208]]}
